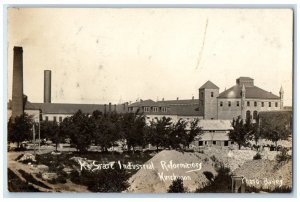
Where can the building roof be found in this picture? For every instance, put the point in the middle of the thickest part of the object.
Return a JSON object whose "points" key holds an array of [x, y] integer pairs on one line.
{"points": [[180, 102], [67, 108], [147, 103], [185, 110], [251, 92], [209, 85], [215, 124]]}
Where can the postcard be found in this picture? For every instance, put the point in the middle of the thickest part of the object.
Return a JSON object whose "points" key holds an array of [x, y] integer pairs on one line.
{"points": [[150, 100]]}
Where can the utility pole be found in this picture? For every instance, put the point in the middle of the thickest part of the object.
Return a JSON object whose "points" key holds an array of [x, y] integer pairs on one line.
{"points": [[33, 130], [39, 136]]}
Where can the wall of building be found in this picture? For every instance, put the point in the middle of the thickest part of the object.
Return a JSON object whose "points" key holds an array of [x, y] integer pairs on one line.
{"points": [[259, 106], [227, 112], [210, 103], [34, 113], [58, 117], [212, 138]]}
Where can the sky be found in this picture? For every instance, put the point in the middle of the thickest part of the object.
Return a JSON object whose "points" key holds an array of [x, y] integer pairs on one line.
{"points": [[101, 55]]}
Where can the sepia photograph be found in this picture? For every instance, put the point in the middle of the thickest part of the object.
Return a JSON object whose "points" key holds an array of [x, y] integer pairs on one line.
{"points": [[150, 100]]}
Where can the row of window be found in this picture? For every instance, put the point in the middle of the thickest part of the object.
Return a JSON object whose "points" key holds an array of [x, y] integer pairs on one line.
{"points": [[54, 118], [202, 143], [155, 109], [211, 94], [249, 116], [249, 104]]}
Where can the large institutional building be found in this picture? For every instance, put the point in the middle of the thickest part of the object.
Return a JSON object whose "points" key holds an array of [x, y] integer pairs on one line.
{"points": [[214, 109], [244, 100]]}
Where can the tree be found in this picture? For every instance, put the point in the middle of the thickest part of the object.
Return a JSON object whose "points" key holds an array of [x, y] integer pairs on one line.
{"points": [[255, 133], [241, 132], [158, 133], [21, 129], [80, 130], [275, 126], [51, 130], [106, 132], [194, 131], [132, 129], [178, 135], [176, 186]]}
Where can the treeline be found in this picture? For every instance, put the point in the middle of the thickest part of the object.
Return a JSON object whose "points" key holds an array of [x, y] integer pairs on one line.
{"points": [[131, 130], [273, 127], [107, 130]]}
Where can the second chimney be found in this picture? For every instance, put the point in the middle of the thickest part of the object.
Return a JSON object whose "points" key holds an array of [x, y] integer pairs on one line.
{"points": [[47, 86]]}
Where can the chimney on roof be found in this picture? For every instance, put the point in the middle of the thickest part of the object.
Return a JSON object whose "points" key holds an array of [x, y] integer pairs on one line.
{"points": [[177, 98], [192, 97], [109, 107], [17, 85], [105, 110], [163, 99], [47, 86], [115, 108]]}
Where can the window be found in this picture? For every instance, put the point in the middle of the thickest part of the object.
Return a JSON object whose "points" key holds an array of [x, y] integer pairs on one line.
{"points": [[270, 104], [214, 142], [212, 94], [60, 119], [237, 103], [226, 143], [262, 104], [276, 104], [229, 103], [221, 104], [46, 118], [200, 143], [202, 95], [248, 103], [163, 109], [155, 109], [232, 142], [255, 104], [248, 115], [146, 109], [255, 115], [54, 118], [205, 142]]}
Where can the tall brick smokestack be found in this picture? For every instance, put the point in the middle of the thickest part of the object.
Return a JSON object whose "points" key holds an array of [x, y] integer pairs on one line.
{"points": [[47, 86], [17, 85]]}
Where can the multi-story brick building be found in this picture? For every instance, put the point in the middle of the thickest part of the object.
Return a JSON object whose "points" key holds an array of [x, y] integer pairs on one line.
{"points": [[243, 99]]}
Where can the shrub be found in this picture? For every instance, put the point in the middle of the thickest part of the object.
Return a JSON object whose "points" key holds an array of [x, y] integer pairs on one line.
{"points": [[26, 161], [283, 155], [209, 175], [107, 180], [220, 184], [213, 158], [176, 186], [59, 179], [19, 157], [257, 156]]}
